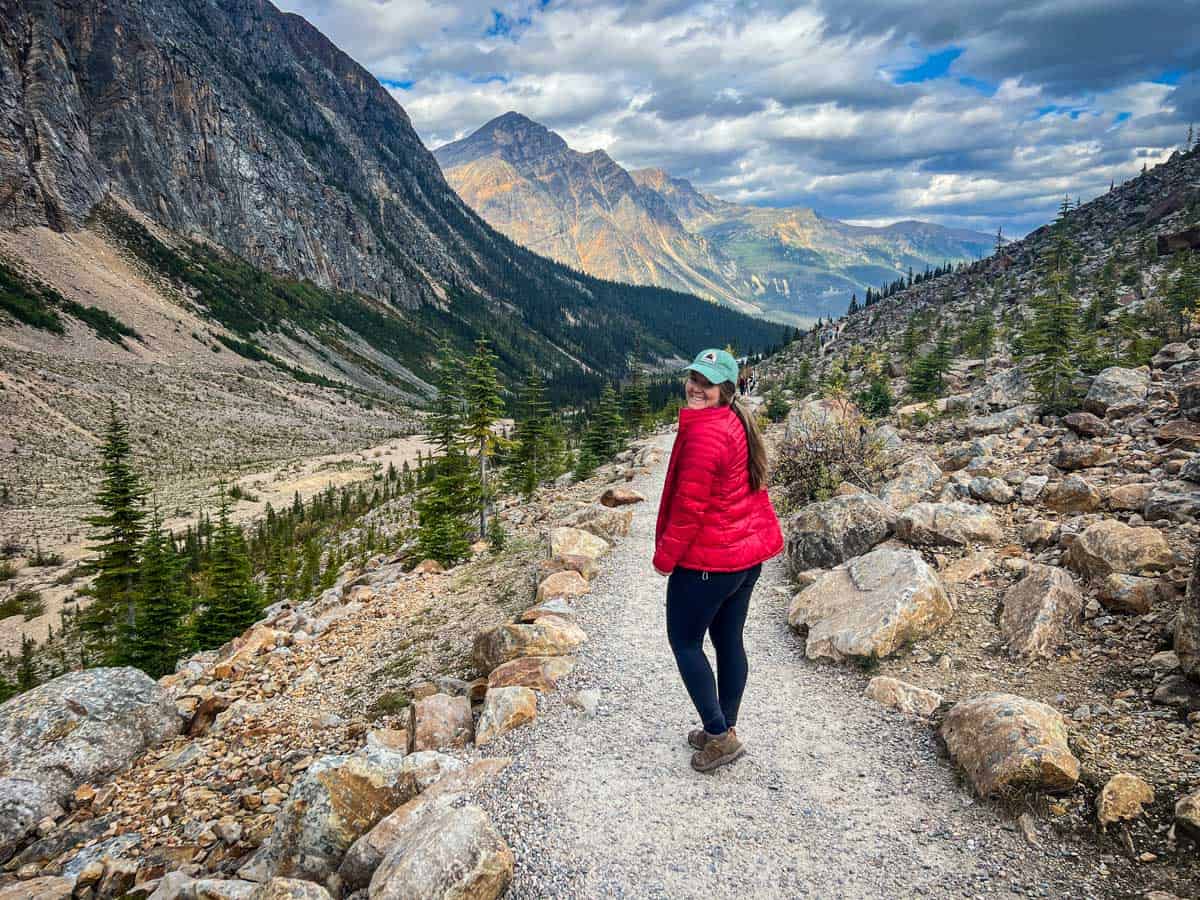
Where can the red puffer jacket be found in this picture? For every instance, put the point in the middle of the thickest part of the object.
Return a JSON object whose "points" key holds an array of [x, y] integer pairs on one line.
{"points": [[708, 518]]}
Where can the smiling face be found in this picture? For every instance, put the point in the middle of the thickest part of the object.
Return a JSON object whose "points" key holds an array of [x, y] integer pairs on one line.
{"points": [[701, 392]]}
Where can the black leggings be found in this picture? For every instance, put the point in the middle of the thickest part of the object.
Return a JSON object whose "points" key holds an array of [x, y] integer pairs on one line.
{"points": [[716, 602]]}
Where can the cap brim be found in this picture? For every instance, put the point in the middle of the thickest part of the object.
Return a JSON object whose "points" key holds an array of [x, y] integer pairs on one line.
{"points": [[712, 373]]}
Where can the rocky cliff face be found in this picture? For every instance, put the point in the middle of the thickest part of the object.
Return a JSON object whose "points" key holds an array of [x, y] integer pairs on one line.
{"points": [[230, 122], [581, 209]]}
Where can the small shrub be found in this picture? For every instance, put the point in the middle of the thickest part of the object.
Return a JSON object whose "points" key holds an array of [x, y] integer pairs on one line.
{"points": [[823, 451], [32, 604], [7, 571], [776, 407], [389, 704], [237, 492], [42, 559], [497, 536], [10, 606], [11, 547]]}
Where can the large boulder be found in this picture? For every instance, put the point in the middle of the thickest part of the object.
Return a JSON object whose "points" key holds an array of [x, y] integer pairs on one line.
{"points": [[871, 606], [1117, 391], [948, 524], [455, 853], [825, 534], [1122, 798], [1187, 816], [1189, 398], [1177, 501], [566, 542], [1007, 744], [336, 800], [1082, 455], [502, 643], [1039, 610], [607, 523], [618, 496], [1128, 593], [289, 889], [440, 721], [1004, 389], [562, 584], [364, 857], [45, 887], [1112, 546], [1187, 625], [914, 480], [82, 727], [504, 708]]}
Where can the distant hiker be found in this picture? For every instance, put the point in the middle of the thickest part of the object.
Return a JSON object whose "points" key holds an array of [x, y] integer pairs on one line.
{"points": [[715, 528], [741, 384]]}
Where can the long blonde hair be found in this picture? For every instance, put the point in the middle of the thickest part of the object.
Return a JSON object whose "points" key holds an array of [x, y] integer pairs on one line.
{"points": [[756, 450]]}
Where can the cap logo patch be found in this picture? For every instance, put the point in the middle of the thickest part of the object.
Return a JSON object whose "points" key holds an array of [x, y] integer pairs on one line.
{"points": [[709, 357]]}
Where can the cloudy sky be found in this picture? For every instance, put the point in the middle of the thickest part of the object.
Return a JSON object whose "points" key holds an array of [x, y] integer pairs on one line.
{"points": [[975, 114]]}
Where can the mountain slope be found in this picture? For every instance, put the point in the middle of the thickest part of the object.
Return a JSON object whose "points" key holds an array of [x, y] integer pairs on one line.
{"points": [[647, 227], [794, 259], [231, 123], [581, 209]]}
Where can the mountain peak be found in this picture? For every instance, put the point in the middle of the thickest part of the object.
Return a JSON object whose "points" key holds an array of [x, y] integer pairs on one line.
{"points": [[512, 137]]}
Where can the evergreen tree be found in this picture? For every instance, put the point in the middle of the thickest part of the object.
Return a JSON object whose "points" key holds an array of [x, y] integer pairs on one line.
{"points": [[232, 601], [1051, 341], [606, 432], [1183, 295], [537, 441], [158, 638], [585, 463], [118, 533], [483, 406], [27, 678], [450, 492], [635, 401]]}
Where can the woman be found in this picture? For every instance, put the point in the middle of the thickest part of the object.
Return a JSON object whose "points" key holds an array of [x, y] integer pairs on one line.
{"points": [[715, 528]]}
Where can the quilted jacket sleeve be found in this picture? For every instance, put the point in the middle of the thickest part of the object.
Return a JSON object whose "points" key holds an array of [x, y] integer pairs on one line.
{"points": [[700, 460]]}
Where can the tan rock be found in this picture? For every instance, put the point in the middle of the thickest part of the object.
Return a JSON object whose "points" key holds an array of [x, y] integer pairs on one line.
{"points": [[602, 521], [870, 606], [455, 853], [1187, 624], [566, 541], [1039, 612], [428, 567], [1129, 497], [562, 584], [540, 673], [1074, 494], [388, 738], [906, 698], [1006, 743], [236, 655], [501, 643], [47, 887], [556, 606], [1122, 798], [504, 708], [961, 571], [620, 497], [363, 858], [1128, 593], [1112, 546], [584, 565], [440, 721]]}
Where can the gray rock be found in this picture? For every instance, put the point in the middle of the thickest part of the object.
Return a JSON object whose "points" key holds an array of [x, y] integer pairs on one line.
{"points": [[83, 727], [1039, 612], [948, 524], [1187, 624], [825, 534], [1003, 422], [887, 439], [1004, 389], [914, 480], [990, 490], [1117, 391], [870, 606], [1178, 501], [1074, 494], [1191, 470], [1172, 354], [1112, 546], [1032, 487], [1086, 424], [113, 848]]}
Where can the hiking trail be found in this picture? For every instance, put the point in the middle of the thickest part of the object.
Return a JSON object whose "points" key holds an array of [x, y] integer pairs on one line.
{"points": [[835, 796]]}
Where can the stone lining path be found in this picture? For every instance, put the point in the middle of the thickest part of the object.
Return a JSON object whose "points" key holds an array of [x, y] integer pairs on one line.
{"points": [[836, 797]]}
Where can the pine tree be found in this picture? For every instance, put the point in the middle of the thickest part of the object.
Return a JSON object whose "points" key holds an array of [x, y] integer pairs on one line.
{"points": [[483, 406], [450, 492], [536, 440], [158, 638], [606, 432], [1051, 341], [635, 401], [27, 678], [118, 533], [1183, 295], [232, 601]]}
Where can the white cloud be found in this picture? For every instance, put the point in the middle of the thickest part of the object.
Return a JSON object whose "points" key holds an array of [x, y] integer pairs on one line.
{"points": [[780, 103]]}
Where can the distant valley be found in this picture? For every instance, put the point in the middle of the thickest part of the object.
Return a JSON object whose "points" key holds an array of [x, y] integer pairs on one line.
{"points": [[647, 227]]}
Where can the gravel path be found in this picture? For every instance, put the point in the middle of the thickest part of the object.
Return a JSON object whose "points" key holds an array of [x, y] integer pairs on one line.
{"points": [[835, 797]]}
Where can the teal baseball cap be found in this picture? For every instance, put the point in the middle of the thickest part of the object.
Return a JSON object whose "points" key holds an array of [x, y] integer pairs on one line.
{"points": [[715, 365]]}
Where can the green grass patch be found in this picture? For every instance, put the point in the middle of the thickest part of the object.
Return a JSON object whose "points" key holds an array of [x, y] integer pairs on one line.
{"points": [[39, 306]]}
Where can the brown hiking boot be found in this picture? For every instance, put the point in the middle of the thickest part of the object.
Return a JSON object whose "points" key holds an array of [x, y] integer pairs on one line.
{"points": [[698, 737], [718, 751]]}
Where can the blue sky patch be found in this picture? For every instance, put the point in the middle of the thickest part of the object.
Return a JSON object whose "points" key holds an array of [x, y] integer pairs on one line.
{"points": [[394, 83], [935, 65]]}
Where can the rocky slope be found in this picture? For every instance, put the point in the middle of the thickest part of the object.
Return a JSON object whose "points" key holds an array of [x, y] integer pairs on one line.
{"points": [[992, 563], [646, 227]]}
